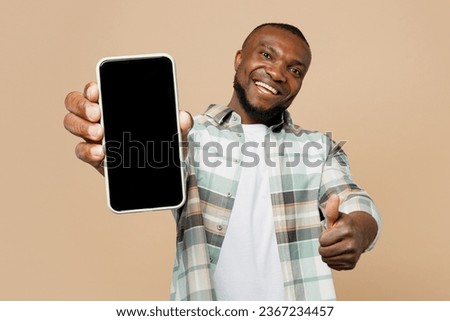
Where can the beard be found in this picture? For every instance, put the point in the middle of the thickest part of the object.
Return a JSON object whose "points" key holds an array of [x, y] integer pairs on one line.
{"points": [[260, 115]]}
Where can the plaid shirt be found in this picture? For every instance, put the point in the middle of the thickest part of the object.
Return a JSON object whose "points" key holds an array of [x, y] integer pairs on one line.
{"points": [[305, 168]]}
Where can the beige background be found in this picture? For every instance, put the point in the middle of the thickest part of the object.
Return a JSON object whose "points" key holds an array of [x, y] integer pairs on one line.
{"points": [[379, 79]]}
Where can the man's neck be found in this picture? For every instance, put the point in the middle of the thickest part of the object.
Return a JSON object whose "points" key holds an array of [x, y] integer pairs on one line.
{"points": [[236, 105]]}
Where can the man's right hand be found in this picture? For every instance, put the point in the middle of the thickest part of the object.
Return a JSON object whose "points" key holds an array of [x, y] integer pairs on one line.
{"points": [[83, 120]]}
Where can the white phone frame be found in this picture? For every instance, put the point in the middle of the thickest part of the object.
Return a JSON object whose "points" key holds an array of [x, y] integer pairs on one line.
{"points": [[183, 181]]}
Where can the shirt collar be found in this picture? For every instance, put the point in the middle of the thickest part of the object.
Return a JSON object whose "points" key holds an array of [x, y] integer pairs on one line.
{"points": [[220, 114]]}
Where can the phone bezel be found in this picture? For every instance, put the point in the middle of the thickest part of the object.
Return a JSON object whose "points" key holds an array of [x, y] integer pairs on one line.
{"points": [[105, 166]]}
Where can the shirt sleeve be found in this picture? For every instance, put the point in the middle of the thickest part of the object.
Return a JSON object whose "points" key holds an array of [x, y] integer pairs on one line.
{"points": [[187, 170], [177, 211], [337, 179]]}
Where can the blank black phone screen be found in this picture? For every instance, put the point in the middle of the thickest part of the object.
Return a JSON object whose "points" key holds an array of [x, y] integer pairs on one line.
{"points": [[140, 121]]}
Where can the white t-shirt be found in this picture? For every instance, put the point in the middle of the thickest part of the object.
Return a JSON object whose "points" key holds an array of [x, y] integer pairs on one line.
{"points": [[249, 266]]}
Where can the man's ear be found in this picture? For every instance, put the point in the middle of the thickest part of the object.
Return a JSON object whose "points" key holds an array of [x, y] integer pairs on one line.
{"points": [[237, 59]]}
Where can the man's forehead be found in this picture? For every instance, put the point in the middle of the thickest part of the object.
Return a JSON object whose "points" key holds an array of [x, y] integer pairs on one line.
{"points": [[274, 37], [271, 34]]}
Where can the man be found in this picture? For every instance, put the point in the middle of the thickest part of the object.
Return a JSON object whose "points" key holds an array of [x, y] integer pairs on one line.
{"points": [[252, 226]]}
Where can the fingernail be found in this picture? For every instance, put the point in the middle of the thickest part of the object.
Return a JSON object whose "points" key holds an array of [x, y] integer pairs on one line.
{"points": [[97, 150], [93, 130], [92, 112], [89, 92]]}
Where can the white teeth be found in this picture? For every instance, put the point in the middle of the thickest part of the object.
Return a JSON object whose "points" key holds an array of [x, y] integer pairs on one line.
{"points": [[268, 87]]}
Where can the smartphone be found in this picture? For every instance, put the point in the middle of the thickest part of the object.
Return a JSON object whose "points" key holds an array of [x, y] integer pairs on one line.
{"points": [[142, 139]]}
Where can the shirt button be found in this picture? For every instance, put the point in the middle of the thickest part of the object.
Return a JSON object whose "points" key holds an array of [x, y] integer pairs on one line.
{"points": [[229, 195], [220, 227]]}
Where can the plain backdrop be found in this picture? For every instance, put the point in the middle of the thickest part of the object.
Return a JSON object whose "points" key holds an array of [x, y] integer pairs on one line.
{"points": [[379, 80]]}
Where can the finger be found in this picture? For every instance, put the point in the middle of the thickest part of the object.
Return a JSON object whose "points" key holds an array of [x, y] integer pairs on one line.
{"points": [[79, 105], [186, 122], [91, 153], [333, 249], [341, 264], [345, 261], [332, 210], [83, 128], [328, 238], [91, 92]]}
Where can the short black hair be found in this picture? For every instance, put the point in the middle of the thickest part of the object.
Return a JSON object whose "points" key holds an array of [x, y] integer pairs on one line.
{"points": [[292, 29]]}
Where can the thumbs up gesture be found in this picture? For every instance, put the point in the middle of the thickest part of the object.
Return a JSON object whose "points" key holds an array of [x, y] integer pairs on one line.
{"points": [[332, 210], [346, 236]]}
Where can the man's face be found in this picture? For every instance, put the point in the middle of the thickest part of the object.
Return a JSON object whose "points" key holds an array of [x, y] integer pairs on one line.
{"points": [[269, 72]]}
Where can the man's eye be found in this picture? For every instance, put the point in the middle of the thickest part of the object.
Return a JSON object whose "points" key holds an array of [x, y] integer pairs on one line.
{"points": [[265, 55], [296, 71]]}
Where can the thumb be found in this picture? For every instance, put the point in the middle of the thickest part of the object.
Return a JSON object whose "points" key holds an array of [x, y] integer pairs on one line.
{"points": [[186, 123], [332, 210]]}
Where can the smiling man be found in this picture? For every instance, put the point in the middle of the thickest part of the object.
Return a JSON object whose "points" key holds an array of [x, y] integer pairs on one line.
{"points": [[270, 69], [264, 230]]}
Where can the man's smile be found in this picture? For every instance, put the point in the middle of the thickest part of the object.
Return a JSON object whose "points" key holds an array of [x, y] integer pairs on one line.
{"points": [[266, 87]]}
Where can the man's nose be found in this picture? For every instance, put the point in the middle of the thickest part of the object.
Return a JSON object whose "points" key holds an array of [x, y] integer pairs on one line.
{"points": [[277, 72]]}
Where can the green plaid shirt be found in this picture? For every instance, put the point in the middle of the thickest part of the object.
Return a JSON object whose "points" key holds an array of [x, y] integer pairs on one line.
{"points": [[305, 168]]}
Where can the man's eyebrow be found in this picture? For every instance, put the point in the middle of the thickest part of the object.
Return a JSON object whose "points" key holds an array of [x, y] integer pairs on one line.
{"points": [[273, 50], [268, 47]]}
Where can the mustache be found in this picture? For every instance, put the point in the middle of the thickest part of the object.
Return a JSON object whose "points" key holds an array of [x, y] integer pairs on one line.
{"points": [[263, 116]]}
